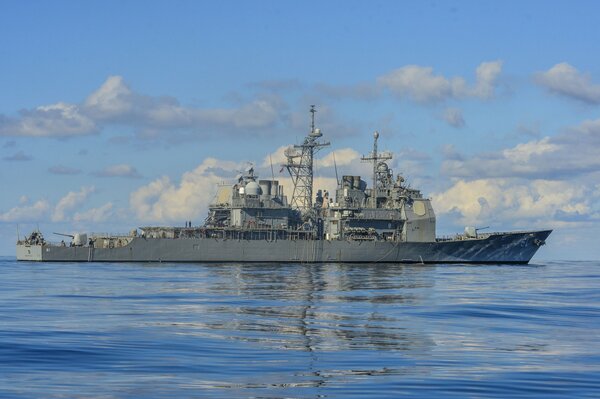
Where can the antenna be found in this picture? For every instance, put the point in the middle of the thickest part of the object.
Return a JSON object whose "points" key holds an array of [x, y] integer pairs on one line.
{"points": [[337, 179], [272, 173], [300, 165], [377, 158]]}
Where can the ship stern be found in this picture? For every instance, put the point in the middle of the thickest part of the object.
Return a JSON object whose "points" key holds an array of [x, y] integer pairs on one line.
{"points": [[29, 252]]}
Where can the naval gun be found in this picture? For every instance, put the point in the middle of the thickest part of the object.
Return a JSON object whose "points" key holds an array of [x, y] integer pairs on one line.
{"points": [[77, 239]]}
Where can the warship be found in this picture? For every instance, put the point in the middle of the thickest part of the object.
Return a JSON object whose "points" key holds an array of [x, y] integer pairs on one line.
{"points": [[251, 220]]}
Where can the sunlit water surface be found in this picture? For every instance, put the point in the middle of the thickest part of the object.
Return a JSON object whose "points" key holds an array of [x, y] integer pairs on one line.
{"points": [[103, 330]]}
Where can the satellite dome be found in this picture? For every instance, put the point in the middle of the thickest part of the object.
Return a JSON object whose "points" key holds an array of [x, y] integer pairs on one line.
{"points": [[252, 188], [316, 133]]}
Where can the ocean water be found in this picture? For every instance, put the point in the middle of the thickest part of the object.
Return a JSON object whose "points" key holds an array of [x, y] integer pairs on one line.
{"points": [[108, 330]]}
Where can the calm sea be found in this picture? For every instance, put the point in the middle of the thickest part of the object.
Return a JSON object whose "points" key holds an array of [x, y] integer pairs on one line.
{"points": [[104, 330]]}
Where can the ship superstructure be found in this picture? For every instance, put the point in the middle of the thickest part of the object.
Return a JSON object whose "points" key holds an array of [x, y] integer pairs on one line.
{"points": [[251, 220]]}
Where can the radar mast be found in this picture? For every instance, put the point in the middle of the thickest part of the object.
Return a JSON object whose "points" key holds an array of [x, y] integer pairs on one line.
{"points": [[300, 165], [378, 158]]}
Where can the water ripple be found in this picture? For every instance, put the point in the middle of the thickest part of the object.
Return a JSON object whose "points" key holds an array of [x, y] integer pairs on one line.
{"points": [[299, 331]]}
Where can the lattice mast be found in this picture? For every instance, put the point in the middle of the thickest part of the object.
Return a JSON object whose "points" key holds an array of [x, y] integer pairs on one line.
{"points": [[377, 158], [300, 165]]}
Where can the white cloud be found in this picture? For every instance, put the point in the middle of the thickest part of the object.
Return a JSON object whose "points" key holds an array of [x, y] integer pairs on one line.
{"points": [[113, 99], [420, 83], [259, 113], [524, 151], [256, 114], [165, 201], [551, 182], [568, 154], [566, 80], [70, 202], [144, 200], [319, 183], [277, 158], [343, 157], [95, 215], [486, 76], [454, 117], [120, 170], [27, 213], [57, 120], [517, 201], [115, 103]]}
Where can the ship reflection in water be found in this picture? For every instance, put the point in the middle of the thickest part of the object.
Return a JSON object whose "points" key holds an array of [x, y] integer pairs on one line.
{"points": [[330, 307], [302, 318]]}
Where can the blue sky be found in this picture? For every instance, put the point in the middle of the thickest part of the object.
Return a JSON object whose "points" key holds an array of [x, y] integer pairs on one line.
{"points": [[122, 114]]}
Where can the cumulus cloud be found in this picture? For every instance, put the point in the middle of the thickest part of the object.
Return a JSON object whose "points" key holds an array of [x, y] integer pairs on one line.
{"points": [[277, 158], [319, 183], [70, 202], [420, 84], [522, 202], [96, 215], [18, 156], [163, 200], [63, 170], [340, 157], [120, 170], [115, 103], [454, 117], [167, 201], [408, 162], [56, 120], [27, 212], [566, 80], [549, 182], [112, 100], [68, 208], [486, 76], [523, 152], [568, 154]]}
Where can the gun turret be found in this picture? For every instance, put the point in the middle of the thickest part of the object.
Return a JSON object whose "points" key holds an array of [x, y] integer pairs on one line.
{"points": [[65, 235], [77, 239]]}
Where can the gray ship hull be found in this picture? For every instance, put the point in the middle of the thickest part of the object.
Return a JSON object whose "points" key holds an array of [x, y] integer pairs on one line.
{"points": [[513, 247]]}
